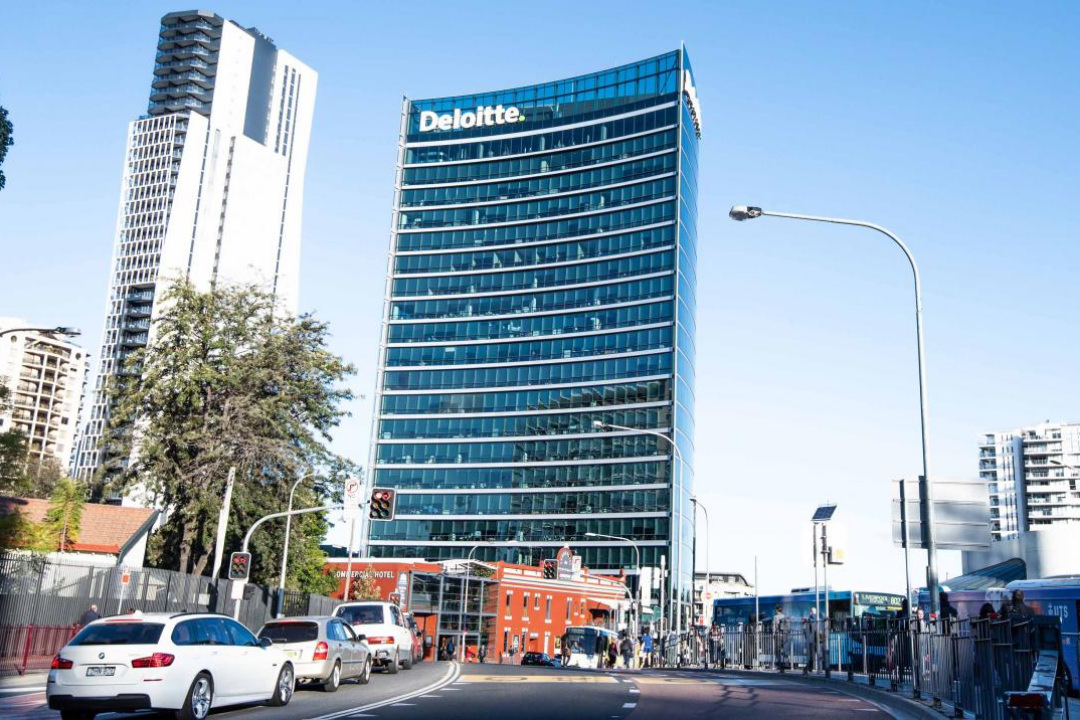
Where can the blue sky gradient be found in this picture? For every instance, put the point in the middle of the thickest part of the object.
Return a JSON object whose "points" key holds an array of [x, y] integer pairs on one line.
{"points": [[953, 125]]}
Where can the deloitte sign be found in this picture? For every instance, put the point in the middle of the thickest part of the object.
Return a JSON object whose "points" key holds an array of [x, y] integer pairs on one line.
{"points": [[483, 117]]}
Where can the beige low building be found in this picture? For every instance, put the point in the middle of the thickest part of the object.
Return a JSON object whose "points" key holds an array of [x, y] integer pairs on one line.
{"points": [[46, 375]]}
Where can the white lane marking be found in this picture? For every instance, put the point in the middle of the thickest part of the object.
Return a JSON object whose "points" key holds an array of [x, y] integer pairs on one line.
{"points": [[431, 696], [867, 710], [629, 705], [403, 705], [634, 690], [452, 673]]}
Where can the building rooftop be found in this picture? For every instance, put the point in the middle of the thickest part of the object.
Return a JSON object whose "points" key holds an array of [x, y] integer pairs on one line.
{"points": [[105, 529]]}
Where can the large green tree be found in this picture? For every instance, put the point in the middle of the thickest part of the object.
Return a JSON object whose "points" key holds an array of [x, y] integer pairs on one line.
{"points": [[7, 139], [229, 380]]}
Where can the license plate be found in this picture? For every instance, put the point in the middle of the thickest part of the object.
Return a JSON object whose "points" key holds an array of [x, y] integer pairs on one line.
{"points": [[292, 654], [101, 671]]}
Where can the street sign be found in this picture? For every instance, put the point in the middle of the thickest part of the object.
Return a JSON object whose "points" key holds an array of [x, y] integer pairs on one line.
{"points": [[961, 514], [125, 578], [352, 499], [236, 589], [565, 561]]}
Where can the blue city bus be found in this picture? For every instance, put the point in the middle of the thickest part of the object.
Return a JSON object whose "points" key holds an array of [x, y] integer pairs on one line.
{"points": [[1058, 596], [843, 604]]}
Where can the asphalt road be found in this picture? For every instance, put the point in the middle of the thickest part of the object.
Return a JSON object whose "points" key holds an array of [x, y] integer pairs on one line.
{"points": [[446, 691]]}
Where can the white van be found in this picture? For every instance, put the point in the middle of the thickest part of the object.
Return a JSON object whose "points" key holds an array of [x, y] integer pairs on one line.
{"points": [[387, 634]]}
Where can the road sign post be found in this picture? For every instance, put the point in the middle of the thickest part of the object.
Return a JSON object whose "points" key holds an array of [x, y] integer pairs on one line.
{"points": [[352, 510]]}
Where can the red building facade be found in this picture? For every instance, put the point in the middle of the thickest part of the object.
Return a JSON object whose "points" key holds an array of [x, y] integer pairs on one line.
{"points": [[511, 608]]}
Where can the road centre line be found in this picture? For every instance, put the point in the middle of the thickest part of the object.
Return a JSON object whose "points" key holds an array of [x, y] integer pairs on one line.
{"points": [[523, 679], [452, 673]]}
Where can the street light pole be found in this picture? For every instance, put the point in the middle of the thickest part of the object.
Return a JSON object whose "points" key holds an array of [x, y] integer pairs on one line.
{"points": [[59, 330], [271, 516], [743, 212], [708, 539], [601, 425], [637, 556], [285, 550]]}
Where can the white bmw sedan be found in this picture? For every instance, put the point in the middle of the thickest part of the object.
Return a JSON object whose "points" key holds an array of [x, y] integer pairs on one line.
{"points": [[185, 662]]}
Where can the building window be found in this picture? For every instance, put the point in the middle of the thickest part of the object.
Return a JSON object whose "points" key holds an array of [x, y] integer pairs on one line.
{"points": [[582, 606], [509, 597], [547, 610], [536, 602], [569, 605], [506, 640], [525, 607]]}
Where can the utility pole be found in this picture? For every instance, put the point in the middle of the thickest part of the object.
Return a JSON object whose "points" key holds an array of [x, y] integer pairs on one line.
{"points": [[223, 523], [825, 570]]}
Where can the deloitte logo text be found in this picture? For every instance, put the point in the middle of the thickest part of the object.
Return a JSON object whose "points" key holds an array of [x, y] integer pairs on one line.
{"points": [[484, 116]]}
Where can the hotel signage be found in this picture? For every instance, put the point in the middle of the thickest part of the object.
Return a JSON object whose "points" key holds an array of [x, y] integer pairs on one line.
{"points": [[483, 116]]}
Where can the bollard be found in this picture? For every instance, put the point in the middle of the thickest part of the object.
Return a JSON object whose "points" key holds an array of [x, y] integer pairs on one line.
{"points": [[26, 649]]}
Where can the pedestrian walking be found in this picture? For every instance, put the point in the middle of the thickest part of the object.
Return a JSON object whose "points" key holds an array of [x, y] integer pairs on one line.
{"points": [[647, 648], [89, 616], [450, 649], [483, 653], [627, 649], [612, 655], [779, 628]]}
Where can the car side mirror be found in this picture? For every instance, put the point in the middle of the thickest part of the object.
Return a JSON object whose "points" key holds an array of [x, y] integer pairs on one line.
{"points": [[361, 638], [265, 642]]}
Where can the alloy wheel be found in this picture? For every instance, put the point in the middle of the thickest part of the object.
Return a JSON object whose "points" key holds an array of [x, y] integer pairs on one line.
{"points": [[201, 698], [285, 685]]}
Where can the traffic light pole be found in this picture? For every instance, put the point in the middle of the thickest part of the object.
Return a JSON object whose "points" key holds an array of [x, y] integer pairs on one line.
{"points": [[271, 516]]}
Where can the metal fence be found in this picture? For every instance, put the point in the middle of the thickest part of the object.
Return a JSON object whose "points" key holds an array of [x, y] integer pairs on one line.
{"points": [[42, 600], [969, 664]]}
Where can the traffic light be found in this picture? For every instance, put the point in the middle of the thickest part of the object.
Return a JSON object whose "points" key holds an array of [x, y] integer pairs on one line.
{"points": [[239, 566], [551, 569], [382, 504]]}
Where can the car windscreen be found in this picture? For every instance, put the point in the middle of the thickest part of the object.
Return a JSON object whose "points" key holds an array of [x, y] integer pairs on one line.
{"points": [[290, 632], [361, 614], [119, 633]]}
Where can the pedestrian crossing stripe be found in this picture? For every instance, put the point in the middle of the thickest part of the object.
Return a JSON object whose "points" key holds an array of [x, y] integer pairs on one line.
{"points": [[521, 679]]}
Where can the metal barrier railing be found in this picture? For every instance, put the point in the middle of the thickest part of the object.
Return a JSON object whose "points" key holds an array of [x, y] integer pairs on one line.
{"points": [[969, 664]]}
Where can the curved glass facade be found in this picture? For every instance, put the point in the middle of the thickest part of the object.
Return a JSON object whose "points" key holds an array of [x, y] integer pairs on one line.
{"points": [[542, 279]]}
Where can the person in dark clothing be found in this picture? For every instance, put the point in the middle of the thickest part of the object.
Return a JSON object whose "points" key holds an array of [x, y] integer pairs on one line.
{"points": [[1005, 609], [482, 654], [986, 612], [89, 616], [1020, 611]]}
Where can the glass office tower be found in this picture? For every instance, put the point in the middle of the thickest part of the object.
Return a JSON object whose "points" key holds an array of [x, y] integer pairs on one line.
{"points": [[539, 318]]}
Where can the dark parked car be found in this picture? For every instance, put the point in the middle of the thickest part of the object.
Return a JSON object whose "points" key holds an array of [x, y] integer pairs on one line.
{"points": [[535, 658]]}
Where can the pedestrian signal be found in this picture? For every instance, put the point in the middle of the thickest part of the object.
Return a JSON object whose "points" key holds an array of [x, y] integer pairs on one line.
{"points": [[239, 566], [382, 504]]}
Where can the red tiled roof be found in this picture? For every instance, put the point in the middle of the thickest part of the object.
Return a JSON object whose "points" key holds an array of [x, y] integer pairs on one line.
{"points": [[104, 528]]}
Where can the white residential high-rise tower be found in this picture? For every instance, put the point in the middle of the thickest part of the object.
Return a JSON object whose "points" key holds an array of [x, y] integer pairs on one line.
{"points": [[1034, 478], [213, 183]]}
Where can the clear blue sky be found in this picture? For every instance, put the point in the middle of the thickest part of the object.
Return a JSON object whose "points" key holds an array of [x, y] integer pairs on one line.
{"points": [[953, 124]]}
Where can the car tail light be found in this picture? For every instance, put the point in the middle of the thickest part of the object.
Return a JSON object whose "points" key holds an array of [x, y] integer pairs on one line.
{"points": [[59, 663], [1026, 700], [380, 640], [320, 651], [154, 661]]}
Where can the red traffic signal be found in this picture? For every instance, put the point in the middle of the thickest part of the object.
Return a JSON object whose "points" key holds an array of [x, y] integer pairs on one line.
{"points": [[239, 566], [382, 504]]}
